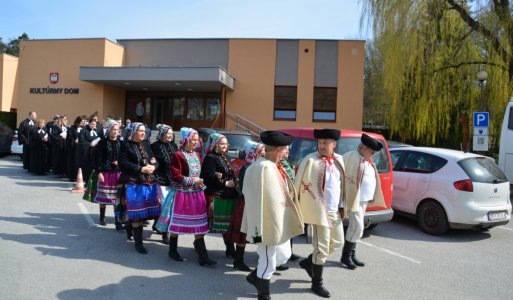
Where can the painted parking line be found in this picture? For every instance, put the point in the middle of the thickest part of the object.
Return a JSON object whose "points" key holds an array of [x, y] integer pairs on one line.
{"points": [[505, 228], [85, 212], [391, 252]]}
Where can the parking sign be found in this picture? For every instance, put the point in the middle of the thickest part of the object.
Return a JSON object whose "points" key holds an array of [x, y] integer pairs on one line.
{"points": [[481, 119]]}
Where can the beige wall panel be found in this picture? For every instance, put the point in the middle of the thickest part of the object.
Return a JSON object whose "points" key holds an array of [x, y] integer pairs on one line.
{"points": [[305, 85], [113, 102], [350, 84], [8, 70], [41, 57], [114, 54], [252, 63]]}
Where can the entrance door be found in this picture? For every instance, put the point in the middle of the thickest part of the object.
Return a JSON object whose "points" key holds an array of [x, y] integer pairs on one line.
{"points": [[158, 110]]}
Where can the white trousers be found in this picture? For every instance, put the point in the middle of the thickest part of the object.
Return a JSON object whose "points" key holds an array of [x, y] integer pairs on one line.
{"points": [[355, 228], [270, 256], [327, 240]]}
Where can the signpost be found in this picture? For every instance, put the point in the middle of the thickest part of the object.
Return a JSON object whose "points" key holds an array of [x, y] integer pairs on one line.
{"points": [[480, 140]]}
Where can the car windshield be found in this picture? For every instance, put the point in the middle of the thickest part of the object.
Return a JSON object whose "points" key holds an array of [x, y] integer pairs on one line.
{"points": [[238, 141], [482, 169], [302, 147]]}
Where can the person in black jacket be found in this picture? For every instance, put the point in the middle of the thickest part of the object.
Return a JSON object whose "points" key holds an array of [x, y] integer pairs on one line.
{"points": [[38, 139], [23, 137], [164, 148], [72, 147], [140, 191], [222, 190], [88, 140], [107, 167], [59, 134]]}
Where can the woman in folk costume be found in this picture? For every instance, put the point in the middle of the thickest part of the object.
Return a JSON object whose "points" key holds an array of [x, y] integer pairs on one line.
{"points": [[107, 167], [253, 151], [59, 134], [320, 183], [362, 187], [271, 214], [87, 141], [184, 211], [38, 138], [163, 148], [222, 187], [140, 190]]}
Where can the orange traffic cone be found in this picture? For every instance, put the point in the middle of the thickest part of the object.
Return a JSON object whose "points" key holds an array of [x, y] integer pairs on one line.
{"points": [[80, 183]]}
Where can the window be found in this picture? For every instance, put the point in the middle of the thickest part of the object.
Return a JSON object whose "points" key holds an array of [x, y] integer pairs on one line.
{"points": [[195, 108], [285, 101], [213, 108], [325, 104], [178, 108], [417, 162]]}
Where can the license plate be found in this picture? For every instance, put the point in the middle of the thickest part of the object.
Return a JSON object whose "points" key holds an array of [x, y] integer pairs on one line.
{"points": [[497, 215]]}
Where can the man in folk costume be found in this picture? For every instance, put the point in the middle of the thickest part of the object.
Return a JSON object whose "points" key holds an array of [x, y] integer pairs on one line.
{"points": [[320, 185], [362, 187], [23, 137], [271, 214]]}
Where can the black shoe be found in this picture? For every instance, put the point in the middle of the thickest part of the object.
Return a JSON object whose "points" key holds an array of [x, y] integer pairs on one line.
{"points": [[230, 249], [238, 262], [282, 267], [129, 231], [262, 286], [294, 257], [140, 248]]}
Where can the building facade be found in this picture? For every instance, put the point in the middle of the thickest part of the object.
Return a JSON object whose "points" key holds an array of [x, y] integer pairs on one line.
{"points": [[190, 82]]}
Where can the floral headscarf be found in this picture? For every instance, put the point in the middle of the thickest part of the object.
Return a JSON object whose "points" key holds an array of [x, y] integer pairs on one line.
{"points": [[253, 151], [187, 135], [134, 126], [212, 142], [163, 129], [111, 124]]}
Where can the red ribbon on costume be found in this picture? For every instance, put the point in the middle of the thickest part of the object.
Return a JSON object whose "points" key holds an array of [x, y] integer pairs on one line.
{"points": [[329, 159], [282, 172]]}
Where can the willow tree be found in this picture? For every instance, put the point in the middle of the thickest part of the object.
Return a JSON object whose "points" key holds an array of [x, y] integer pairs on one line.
{"points": [[432, 51]]}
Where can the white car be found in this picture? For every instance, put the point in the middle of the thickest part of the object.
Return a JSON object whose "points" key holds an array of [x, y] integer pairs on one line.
{"points": [[446, 189], [16, 148]]}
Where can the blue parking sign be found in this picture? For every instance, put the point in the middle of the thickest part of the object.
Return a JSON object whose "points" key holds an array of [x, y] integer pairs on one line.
{"points": [[481, 119]]}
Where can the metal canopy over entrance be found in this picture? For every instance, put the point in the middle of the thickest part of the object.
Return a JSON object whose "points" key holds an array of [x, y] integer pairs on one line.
{"points": [[201, 79]]}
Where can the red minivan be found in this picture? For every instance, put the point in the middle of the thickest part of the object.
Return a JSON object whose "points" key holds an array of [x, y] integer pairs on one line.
{"points": [[304, 143]]}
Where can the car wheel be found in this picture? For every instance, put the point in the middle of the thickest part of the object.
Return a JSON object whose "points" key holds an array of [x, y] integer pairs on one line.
{"points": [[432, 218]]}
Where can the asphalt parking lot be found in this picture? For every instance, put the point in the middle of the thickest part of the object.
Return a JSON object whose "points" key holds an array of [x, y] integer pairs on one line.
{"points": [[52, 249]]}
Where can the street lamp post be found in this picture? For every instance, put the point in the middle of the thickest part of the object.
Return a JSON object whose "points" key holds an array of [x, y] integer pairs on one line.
{"points": [[481, 77]]}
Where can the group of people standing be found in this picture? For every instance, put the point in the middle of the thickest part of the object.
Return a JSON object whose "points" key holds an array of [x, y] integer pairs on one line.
{"points": [[189, 191]]}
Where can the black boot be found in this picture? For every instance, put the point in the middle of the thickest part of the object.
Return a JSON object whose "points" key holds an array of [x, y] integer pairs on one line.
{"points": [[252, 278], [346, 256], [262, 286], [138, 232], [173, 245], [129, 232], [355, 260], [165, 239], [200, 247], [102, 217], [307, 265], [230, 249], [317, 285], [238, 262], [119, 226]]}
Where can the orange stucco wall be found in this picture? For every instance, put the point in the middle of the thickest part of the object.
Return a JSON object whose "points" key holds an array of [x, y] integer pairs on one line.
{"points": [[39, 58], [8, 71], [350, 84], [252, 63]]}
